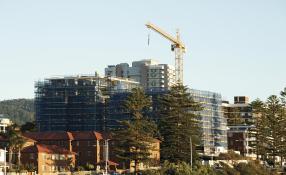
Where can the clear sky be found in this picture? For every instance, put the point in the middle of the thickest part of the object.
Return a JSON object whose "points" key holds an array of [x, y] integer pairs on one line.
{"points": [[233, 47]]}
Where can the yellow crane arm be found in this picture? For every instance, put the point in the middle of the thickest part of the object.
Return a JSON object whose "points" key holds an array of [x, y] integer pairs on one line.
{"points": [[177, 42]]}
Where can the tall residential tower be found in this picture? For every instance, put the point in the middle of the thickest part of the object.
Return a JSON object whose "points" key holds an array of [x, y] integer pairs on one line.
{"points": [[149, 73]]}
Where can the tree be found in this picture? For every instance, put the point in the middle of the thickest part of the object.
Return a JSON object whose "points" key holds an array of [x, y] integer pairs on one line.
{"points": [[18, 110], [15, 142], [270, 121], [259, 132], [274, 128], [283, 123], [251, 167], [134, 140], [178, 122], [29, 127]]}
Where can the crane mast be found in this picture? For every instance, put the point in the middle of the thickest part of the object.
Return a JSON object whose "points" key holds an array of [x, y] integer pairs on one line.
{"points": [[177, 46]]}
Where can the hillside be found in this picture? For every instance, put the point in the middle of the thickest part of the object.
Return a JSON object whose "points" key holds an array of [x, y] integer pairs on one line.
{"points": [[18, 110]]}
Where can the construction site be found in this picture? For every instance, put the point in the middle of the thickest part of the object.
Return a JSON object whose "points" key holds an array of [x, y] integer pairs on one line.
{"points": [[76, 103], [94, 102]]}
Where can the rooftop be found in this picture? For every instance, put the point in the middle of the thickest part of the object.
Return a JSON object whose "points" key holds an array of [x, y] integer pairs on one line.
{"points": [[50, 149]]}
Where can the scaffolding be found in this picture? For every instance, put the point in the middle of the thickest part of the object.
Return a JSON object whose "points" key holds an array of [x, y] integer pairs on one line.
{"points": [[75, 103]]}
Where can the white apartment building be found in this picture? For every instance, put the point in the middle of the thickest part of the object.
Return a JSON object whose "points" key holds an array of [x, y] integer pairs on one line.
{"points": [[4, 123], [149, 73]]}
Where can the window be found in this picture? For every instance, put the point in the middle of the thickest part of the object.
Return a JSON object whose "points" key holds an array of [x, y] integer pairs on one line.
{"points": [[61, 168], [53, 168], [44, 167], [32, 156], [62, 157], [57, 157], [44, 156], [89, 143], [88, 153]]}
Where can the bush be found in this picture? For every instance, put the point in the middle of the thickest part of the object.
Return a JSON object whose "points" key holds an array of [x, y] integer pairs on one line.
{"points": [[89, 167], [151, 172], [80, 168], [251, 168]]}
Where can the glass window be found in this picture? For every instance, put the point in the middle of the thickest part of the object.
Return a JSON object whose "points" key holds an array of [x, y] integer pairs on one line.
{"points": [[32, 156], [53, 168], [88, 153], [44, 156], [62, 157], [53, 157]]}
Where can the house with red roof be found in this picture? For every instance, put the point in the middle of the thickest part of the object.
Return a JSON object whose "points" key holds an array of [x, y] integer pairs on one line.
{"points": [[48, 158], [85, 144]]}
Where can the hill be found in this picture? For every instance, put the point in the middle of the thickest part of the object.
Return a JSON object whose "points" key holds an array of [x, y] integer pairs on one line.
{"points": [[19, 111]]}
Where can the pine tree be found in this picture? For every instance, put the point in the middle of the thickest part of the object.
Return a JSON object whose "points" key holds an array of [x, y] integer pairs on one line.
{"points": [[274, 127], [259, 132], [283, 124], [134, 141], [270, 122], [178, 122]]}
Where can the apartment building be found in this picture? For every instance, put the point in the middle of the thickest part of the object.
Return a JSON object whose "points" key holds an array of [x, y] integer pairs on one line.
{"points": [[84, 144], [241, 124], [212, 122], [75, 103], [48, 158], [4, 123], [149, 73]]}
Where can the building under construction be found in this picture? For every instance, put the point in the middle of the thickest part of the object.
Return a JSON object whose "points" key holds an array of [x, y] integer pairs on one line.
{"points": [[75, 103], [85, 103]]}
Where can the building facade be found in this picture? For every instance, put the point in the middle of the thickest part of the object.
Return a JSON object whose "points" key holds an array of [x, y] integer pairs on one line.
{"points": [[241, 124], [149, 73], [48, 158], [86, 145], [4, 123], [213, 123], [75, 103]]}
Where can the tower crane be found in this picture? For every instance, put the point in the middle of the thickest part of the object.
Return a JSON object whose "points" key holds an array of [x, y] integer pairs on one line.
{"points": [[178, 46]]}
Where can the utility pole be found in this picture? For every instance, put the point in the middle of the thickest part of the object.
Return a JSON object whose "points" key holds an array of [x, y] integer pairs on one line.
{"points": [[106, 156], [191, 147], [5, 171]]}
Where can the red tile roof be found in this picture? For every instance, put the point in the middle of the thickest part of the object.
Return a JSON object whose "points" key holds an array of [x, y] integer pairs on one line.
{"points": [[86, 135], [50, 149], [48, 135], [75, 135]]}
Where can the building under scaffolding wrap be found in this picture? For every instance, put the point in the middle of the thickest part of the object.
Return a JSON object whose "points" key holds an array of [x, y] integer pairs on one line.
{"points": [[211, 119], [212, 122], [84, 103], [75, 103]]}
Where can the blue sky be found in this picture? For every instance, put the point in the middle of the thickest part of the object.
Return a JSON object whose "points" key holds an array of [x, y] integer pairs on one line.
{"points": [[233, 47]]}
